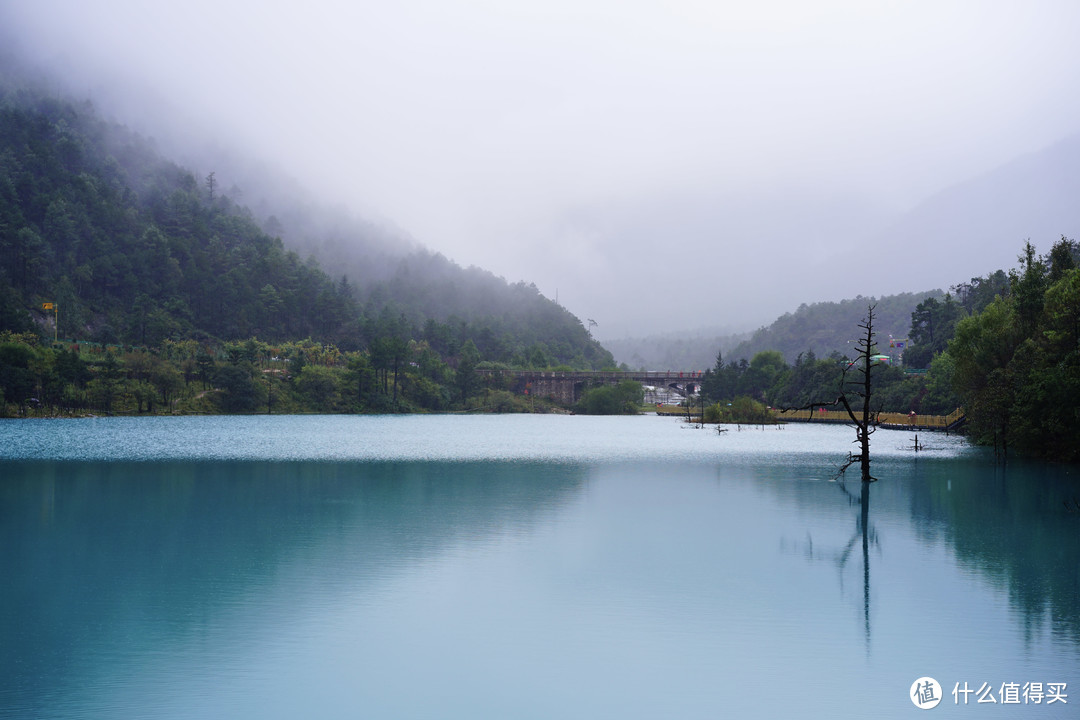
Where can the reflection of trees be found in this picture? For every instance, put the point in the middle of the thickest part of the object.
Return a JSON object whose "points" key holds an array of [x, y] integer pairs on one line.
{"points": [[120, 559], [1011, 525]]}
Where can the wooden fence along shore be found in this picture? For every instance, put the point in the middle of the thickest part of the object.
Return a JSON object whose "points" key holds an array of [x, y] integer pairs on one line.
{"points": [[894, 421], [899, 421]]}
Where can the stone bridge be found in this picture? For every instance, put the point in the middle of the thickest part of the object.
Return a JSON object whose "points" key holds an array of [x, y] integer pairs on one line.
{"points": [[567, 387]]}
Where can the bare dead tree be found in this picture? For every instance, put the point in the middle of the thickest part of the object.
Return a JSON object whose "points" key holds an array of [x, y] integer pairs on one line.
{"points": [[863, 418]]}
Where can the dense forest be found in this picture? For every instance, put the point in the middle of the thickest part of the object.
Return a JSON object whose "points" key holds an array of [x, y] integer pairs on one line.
{"points": [[1005, 347], [1016, 360], [769, 380], [128, 249]]}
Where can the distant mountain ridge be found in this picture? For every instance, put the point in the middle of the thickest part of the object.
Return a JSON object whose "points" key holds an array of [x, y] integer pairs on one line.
{"points": [[822, 327], [674, 351], [979, 223], [827, 327]]}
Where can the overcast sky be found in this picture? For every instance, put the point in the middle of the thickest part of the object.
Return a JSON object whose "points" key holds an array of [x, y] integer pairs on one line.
{"points": [[674, 164]]}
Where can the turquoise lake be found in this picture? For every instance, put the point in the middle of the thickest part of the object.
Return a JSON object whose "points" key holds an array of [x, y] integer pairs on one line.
{"points": [[525, 566]]}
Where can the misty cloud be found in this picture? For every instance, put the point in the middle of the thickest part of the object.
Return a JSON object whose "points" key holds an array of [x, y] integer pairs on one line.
{"points": [[661, 165]]}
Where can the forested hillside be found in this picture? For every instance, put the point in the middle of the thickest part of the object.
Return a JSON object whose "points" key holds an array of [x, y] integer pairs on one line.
{"points": [[825, 327], [135, 249], [820, 328], [1015, 359], [1005, 348]]}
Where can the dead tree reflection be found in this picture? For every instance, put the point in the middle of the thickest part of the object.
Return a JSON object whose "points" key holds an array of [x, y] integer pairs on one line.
{"points": [[863, 537], [869, 537]]}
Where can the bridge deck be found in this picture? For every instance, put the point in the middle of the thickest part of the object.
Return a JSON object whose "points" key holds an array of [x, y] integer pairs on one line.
{"points": [[649, 377]]}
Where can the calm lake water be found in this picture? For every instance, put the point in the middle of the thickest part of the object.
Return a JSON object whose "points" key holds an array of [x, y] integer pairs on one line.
{"points": [[524, 567]]}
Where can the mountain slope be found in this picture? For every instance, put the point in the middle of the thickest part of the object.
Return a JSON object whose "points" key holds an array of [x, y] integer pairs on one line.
{"points": [[135, 249], [139, 266]]}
